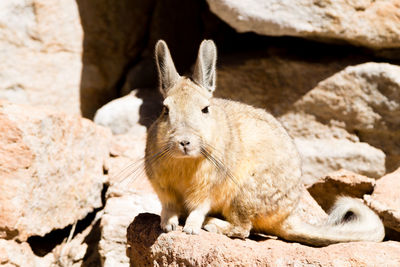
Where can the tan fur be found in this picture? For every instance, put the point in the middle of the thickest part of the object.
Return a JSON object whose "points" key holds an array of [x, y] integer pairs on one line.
{"points": [[212, 156]]}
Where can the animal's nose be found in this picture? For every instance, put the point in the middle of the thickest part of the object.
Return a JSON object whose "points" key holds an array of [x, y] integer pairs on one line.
{"points": [[184, 143]]}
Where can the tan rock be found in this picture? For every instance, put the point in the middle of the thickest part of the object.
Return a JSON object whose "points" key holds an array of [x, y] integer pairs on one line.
{"points": [[68, 54], [41, 49], [129, 194], [340, 183], [364, 101], [13, 254], [51, 169], [149, 246], [374, 24], [385, 200]]}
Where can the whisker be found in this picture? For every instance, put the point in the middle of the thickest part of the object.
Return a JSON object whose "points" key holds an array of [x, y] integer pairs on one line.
{"points": [[138, 168]]}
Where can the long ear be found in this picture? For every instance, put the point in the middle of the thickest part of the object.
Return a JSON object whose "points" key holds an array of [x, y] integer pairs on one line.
{"points": [[166, 69], [204, 70]]}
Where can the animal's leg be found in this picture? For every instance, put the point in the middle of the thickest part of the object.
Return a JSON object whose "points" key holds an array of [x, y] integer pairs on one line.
{"points": [[169, 218], [196, 218]]}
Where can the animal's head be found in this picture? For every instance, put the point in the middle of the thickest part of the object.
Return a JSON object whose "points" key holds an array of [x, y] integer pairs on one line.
{"points": [[187, 120]]}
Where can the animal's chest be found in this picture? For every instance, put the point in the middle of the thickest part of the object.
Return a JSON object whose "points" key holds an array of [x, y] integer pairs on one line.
{"points": [[186, 179]]}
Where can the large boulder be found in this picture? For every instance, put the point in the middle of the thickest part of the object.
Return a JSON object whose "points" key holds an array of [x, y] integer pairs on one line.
{"points": [[51, 169], [41, 53], [149, 246], [374, 24], [364, 100]]}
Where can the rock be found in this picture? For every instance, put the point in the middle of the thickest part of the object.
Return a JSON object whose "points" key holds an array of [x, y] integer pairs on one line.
{"points": [[274, 78], [374, 24], [120, 211], [129, 194], [70, 55], [340, 183], [120, 115], [149, 246], [130, 113], [385, 200], [327, 155], [41, 50], [20, 255], [51, 169], [364, 101]]}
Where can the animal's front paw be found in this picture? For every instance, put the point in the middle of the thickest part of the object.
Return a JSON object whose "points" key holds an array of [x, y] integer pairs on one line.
{"points": [[170, 224], [191, 229]]}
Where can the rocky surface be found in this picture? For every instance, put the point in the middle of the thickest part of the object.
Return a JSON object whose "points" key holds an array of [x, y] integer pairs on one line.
{"points": [[364, 100], [149, 246], [340, 183], [374, 24], [16, 254], [385, 200], [349, 120], [51, 169], [121, 209], [41, 49], [128, 195]]}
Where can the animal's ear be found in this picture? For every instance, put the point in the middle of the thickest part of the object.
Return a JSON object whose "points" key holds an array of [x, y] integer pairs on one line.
{"points": [[167, 73], [204, 70]]}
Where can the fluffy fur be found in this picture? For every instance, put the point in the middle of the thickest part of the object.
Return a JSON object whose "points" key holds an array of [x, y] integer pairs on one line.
{"points": [[207, 156]]}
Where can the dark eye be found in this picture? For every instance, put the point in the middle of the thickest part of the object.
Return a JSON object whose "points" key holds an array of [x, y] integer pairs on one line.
{"points": [[165, 110], [205, 110]]}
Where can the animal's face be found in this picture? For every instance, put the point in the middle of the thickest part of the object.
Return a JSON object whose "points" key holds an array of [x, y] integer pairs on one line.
{"points": [[186, 119], [186, 123]]}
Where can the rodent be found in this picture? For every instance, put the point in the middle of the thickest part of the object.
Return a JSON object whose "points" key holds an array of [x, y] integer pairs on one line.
{"points": [[207, 156]]}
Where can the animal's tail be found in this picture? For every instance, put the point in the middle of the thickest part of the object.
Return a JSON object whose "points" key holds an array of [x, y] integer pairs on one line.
{"points": [[349, 220]]}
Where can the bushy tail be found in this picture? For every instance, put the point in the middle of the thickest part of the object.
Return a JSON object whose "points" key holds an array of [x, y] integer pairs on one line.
{"points": [[349, 220]]}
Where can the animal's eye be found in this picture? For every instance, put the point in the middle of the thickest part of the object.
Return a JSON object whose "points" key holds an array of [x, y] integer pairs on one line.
{"points": [[165, 110], [205, 110]]}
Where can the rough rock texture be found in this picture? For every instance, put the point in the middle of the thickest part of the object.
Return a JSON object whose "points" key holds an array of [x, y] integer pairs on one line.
{"points": [[275, 76], [385, 200], [321, 155], [128, 195], [374, 24], [69, 54], [122, 207], [340, 183], [13, 254], [41, 48], [150, 247], [46, 155], [348, 120], [365, 101]]}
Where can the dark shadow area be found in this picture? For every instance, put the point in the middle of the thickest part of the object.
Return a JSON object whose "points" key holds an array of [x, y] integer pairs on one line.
{"points": [[42, 245], [92, 255], [115, 33], [142, 233]]}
